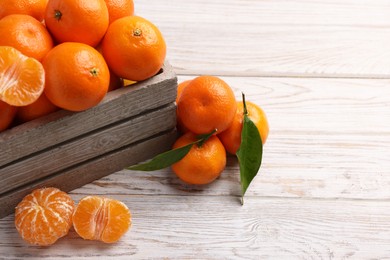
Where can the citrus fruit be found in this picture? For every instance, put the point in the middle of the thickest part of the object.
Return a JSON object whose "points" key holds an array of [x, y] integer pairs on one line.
{"points": [[7, 114], [205, 104], [231, 137], [203, 164], [22, 79], [34, 8], [179, 123], [104, 219], [77, 20], [39, 108], [25, 34], [44, 216], [134, 48], [119, 8], [115, 82], [77, 77]]}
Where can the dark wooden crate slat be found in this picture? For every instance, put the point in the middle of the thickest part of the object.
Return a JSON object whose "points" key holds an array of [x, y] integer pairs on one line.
{"points": [[86, 147], [45, 132], [94, 169]]}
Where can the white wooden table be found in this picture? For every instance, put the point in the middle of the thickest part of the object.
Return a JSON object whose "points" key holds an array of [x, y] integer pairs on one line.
{"points": [[321, 71]]}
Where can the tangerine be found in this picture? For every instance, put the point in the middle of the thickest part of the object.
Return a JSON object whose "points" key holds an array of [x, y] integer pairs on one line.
{"points": [[77, 20], [7, 114], [34, 8], [202, 164], [25, 34], [179, 123], [119, 8], [104, 219], [134, 48], [22, 79], [77, 77], [205, 104], [39, 108], [44, 216], [231, 137]]}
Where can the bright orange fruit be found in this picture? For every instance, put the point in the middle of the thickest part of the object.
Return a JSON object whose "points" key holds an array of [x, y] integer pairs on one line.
{"points": [[34, 8], [201, 165], [7, 114], [44, 216], [22, 79], [119, 8], [77, 20], [134, 48], [25, 34], [39, 108], [77, 77], [104, 219], [180, 87], [231, 137], [205, 104]]}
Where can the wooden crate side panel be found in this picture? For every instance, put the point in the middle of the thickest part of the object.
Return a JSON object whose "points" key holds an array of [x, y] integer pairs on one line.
{"points": [[94, 169], [55, 128], [86, 147]]}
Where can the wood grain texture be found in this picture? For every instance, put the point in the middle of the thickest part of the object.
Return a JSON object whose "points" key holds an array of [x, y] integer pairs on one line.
{"points": [[323, 189], [275, 38], [120, 104], [85, 147], [97, 167], [188, 228]]}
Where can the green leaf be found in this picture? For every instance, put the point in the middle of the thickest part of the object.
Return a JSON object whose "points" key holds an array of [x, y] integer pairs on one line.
{"points": [[250, 153], [163, 160], [170, 157]]}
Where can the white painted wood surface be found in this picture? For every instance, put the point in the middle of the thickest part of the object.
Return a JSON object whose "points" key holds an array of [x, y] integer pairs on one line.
{"points": [[321, 71]]}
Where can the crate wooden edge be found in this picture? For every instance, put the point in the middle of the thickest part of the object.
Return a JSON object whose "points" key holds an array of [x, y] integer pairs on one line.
{"points": [[86, 147], [94, 169], [28, 138]]}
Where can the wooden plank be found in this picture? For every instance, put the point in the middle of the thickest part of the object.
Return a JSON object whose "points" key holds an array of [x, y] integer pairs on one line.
{"points": [[88, 146], [329, 138], [61, 126], [275, 38], [188, 227], [93, 169]]}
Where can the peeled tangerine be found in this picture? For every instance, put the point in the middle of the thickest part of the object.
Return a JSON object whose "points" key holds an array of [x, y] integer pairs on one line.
{"points": [[104, 219], [22, 79], [44, 216]]}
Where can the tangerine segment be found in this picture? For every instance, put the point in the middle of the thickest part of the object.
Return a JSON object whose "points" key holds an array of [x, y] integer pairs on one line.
{"points": [[231, 137], [22, 79], [44, 216], [205, 104], [201, 165], [104, 219]]}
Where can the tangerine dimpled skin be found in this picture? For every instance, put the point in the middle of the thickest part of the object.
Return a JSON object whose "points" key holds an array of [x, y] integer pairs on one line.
{"points": [[25, 34], [77, 20], [201, 165], [205, 104], [77, 77], [34, 8], [7, 114], [134, 48]]}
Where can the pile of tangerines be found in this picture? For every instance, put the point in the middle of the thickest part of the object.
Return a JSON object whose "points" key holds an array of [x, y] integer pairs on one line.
{"points": [[69, 53]]}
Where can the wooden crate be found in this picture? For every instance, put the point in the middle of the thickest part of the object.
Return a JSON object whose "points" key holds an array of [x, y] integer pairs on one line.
{"points": [[67, 149]]}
